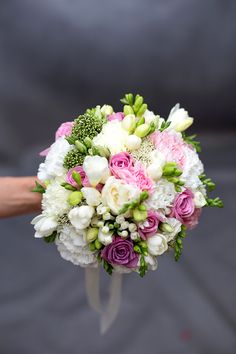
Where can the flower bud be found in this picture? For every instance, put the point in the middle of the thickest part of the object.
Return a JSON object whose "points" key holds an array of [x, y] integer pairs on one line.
{"points": [[133, 142], [141, 110], [184, 125], [76, 177], [128, 110], [139, 215], [75, 198], [154, 171], [129, 123], [142, 130], [138, 103], [88, 142], [106, 109], [92, 234], [140, 121], [165, 227], [92, 247], [98, 244], [81, 147]]}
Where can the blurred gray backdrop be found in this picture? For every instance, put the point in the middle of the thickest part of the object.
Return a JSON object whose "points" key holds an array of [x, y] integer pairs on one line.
{"points": [[58, 57]]}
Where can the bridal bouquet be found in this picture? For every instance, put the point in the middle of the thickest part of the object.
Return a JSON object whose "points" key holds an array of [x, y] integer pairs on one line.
{"points": [[122, 188]]}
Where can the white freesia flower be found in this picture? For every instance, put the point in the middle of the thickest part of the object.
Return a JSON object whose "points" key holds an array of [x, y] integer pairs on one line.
{"points": [[199, 199], [151, 262], [44, 225], [115, 194], [96, 169], [112, 136], [92, 196], [154, 171], [80, 217], [163, 195], [157, 245], [176, 226], [105, 237], [133, 142], [54, 200], [72, 246], [193, 167], [106, 109], [179, 119], [150, 117], [53, 165]]}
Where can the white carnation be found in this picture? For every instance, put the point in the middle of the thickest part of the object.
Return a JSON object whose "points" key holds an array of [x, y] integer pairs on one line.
{"points": [[112, 136], [53, 165], [163, 195], [193, 167], [54, 201], [72, 246]]}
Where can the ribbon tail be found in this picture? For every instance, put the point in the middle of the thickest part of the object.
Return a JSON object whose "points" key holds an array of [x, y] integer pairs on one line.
{"points": [[92, 284], [111, 311]]}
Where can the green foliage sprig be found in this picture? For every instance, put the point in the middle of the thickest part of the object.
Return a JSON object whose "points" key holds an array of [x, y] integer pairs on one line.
{"points": [[178, 244], [38, 188], [134, 105], [207, 182], [190, 139], [51, 238], [216, 202], [143, 266]]}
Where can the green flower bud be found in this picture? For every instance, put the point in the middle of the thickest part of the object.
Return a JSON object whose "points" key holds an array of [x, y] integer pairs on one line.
{"points": [[139, 215], [143, 245], [75, 198], [98, 244], [140, 121], [68, 186], [129, 123], [88, 142], [92, 234], [165, 227], [129, 98], [103, 151], [81, 147], [141, 110], [137, 249], [128, 110], [92, 247], [106, 109], [144, 195], [138, 103], [142, 130], [76, 177], [178, 172], [168, 171], [142, 207]]}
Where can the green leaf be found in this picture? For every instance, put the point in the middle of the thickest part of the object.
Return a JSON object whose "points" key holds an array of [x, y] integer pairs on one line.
{"points": [[190, 139], [39, 188], [51, 238], [108, 267], [143, 267]]}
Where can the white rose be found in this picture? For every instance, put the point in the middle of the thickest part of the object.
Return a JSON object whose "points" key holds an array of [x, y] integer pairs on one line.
{"points": [[92, 196], [115, 194], [105, 237], [44, 225], [96, 169], [179, 119], [53, 165], [199, 199], [80, 217], [157, 245], [133, 142]]}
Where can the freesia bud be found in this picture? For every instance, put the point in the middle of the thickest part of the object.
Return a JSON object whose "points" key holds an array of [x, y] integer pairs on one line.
{"points": [[179, 119], [128, 110], [139, 215], [106, 109], [75, 198], [129, 123], [142, 130], [133, 142], [165, 227], [81, 147], [154, 171], [92, 234]]}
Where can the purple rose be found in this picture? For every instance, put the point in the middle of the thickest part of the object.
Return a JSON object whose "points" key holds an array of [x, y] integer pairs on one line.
{"points": [[84, 178], [116, 116], [121, 165], [149, 227], [183, 207], [192, 221], [121, 252]]}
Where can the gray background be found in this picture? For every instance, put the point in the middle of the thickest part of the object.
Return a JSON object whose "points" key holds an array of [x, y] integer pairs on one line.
{"points": [[58, 57]]}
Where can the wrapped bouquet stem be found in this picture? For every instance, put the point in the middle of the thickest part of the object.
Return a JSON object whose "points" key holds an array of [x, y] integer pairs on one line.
{"points": [[119, 190]]}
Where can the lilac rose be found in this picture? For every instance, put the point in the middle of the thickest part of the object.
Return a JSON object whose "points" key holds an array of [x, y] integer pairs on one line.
{"points": [[183, 207], [148, 228], [65, 129], [116, 116], [84, 178], [121, 252]]}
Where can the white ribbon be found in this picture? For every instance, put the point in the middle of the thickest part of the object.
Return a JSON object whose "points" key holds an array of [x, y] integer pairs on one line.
{"points": [[109, 313]]}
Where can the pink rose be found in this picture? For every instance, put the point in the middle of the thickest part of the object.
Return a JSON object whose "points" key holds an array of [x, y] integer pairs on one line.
{"points": [[192, 221], [183, 207], [121, 164], [84, 178], [116, 116], [64, 129], [149, 227]]}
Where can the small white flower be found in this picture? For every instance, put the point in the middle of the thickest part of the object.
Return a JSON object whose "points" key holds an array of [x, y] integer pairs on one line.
{"points": [[124, 233], [179, 119], [53, 165], [134, 235], [107, 216], [105, 237], [124, 225], [96, 169], [92, 196], [132, 227], [150, 117], [101, 209], [106, 109], [157, 245], [44, 225], [80, 217], [176, 226], [199, 199], [120, 219], [133, 142]]}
